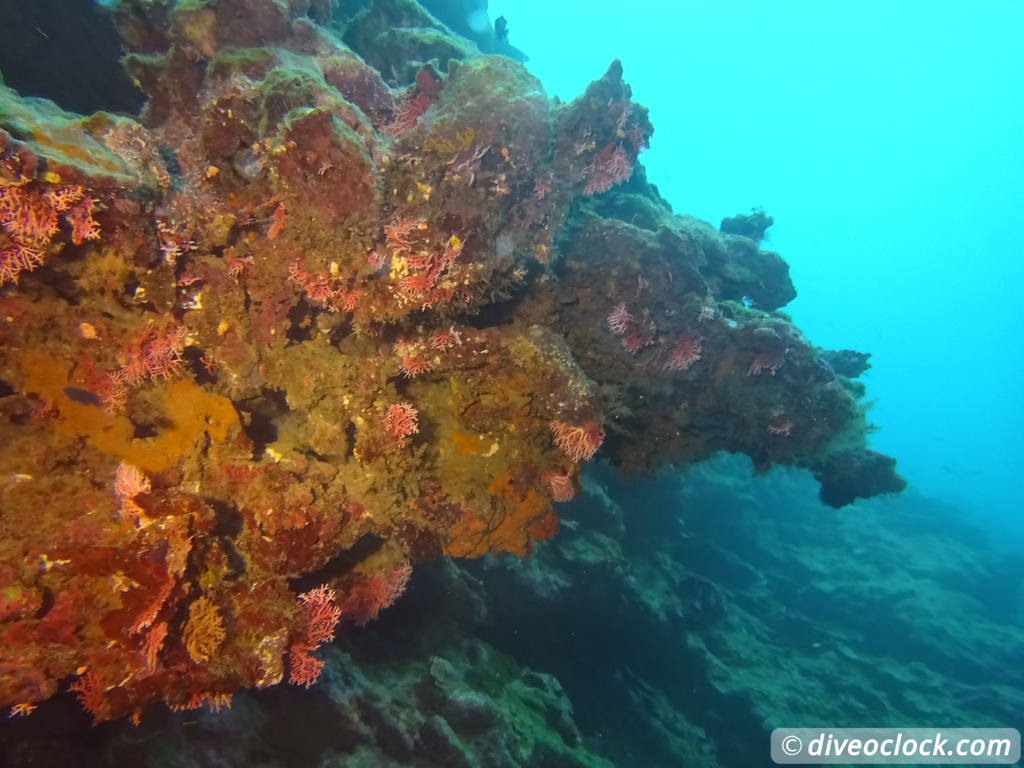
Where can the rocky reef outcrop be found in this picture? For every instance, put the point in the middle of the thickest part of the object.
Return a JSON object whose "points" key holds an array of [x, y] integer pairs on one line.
{"points": [[344, 298]]}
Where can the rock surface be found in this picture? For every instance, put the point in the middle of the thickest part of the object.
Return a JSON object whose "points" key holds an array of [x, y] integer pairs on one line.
{"points": [[340, 301]]}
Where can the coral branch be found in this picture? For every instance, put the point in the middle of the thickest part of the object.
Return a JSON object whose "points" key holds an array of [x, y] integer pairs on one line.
{"points": [[400, 421], [578, 443]]}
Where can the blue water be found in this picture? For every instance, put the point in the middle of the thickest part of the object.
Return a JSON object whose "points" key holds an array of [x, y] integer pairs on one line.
{"points": [[886, 140]]}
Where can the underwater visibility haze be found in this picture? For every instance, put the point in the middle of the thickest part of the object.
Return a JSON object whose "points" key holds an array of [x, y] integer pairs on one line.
{"points": [[397, 383]]}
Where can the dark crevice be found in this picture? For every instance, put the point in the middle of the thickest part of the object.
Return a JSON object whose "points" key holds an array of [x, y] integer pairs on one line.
{"points": [[259, 417], [45, 604], [229, 520], [307, 451], [142, 431], [301, 324], [340, 564], [496, 314], [227, 528], [195, 357], [350, 439]]}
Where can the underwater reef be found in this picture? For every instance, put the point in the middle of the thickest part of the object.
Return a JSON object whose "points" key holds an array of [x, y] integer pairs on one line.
{"points": [[346, 298], [671, 622], [688, 617]]}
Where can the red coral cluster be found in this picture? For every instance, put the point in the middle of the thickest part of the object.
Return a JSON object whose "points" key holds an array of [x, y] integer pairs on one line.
{"points": [[414, 365], [634, 333], [620, 319], [400, 421], [609, 166], [562, 487], [129, 482], [155, 355], [578, 443], [768, 361], [365, 601], [321, 613], [429, 265], [29, 215], [323, 290], [685, 353]]}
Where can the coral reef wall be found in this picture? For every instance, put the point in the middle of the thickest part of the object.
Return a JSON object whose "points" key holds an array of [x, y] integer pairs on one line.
{"points": [[340, 300]]}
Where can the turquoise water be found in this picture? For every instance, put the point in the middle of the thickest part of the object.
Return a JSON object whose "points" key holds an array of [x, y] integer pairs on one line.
{"points": [[886, 140]]}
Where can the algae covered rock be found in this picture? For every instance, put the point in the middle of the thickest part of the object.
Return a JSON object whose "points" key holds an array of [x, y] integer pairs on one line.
{"points": [[337, 303]]}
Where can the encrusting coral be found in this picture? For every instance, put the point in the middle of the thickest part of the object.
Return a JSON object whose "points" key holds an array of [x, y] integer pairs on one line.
{"points": [[296, 329]]}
